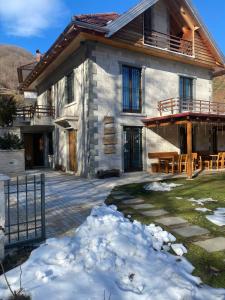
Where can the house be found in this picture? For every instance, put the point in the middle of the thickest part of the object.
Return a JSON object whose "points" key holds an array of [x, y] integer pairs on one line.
{"points": [[113, 88]]}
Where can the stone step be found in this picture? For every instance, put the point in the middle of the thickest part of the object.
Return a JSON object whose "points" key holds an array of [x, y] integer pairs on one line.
{"points": [[190, 231], [212, 245], [171, 221], [142, 206], [133, 201], [154, 213]]}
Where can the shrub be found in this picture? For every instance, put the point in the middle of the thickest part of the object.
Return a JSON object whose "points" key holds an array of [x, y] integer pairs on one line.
{"points": [[7, 110], [10, 142]]}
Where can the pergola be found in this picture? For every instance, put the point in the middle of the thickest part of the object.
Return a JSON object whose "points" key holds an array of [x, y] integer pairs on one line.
{"points": [[187, 119]]}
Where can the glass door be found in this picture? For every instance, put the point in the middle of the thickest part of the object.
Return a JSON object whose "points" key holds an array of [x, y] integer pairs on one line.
{"points": [[133, 149], [186, 94]]}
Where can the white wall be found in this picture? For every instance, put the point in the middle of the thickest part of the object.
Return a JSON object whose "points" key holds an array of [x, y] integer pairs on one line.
{"points": [[160, 81]]}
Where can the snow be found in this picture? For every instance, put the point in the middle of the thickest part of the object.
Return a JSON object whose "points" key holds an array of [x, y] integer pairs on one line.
{"points": [[218, 217], [179, 249], [202, 209], [202, 201], [110, 257], [160, 186]]}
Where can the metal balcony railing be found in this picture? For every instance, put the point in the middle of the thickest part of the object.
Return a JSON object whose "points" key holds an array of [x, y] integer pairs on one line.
{"points": [[168, 42], [29, 112], [179, 105]]}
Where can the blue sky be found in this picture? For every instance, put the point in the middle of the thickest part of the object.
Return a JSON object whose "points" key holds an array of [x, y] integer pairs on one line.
{"points": [[33, 24]]}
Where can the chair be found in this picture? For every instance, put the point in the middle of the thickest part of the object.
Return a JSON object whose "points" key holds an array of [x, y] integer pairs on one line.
{"points": [[220, 160], [183, 163]]}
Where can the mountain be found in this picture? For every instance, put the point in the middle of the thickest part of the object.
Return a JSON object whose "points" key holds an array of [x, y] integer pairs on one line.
{"points": [[11, 57]]}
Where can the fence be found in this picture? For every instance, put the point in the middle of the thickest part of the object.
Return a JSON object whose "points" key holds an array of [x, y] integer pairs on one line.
{"points": [[24, 210]]}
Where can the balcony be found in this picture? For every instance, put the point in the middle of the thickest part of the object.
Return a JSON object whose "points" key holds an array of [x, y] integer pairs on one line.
{"points": [[174, 106], [38, 114], [168, 42]]}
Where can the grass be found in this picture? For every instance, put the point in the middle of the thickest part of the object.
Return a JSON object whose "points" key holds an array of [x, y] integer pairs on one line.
{"points": [[209, 266]]}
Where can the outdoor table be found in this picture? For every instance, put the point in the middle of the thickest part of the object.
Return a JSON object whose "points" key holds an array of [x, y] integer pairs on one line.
{"points": [[214, 160]]}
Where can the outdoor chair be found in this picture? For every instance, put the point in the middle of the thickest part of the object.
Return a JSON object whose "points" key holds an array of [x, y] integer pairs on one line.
{"points": [[220, 160], [183, 163]]}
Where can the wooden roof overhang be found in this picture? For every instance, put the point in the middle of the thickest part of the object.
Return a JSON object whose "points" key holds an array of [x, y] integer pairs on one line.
{"points": [[183, 118]]}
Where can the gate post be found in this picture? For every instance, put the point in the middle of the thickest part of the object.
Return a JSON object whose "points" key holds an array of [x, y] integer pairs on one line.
{"points": [[3, 178]]}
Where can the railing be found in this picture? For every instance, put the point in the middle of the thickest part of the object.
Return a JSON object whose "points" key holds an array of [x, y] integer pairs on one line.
{"points": [[169, 42], [177, 105], [28, 112]]}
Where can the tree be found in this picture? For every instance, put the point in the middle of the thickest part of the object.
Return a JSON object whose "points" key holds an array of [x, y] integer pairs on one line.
{"points": [[7, 110], [10, 142]]}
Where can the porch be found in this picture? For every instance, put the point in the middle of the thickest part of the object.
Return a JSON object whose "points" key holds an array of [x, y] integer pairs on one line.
{"points": [[197, 128]]}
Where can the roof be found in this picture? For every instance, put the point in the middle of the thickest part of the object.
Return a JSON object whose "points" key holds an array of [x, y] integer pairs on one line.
{"points": [[187, 116], [97, 19]]}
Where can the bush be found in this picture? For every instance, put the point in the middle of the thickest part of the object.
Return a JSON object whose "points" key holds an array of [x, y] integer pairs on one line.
{"points": [[10, 142], [7, 110]]}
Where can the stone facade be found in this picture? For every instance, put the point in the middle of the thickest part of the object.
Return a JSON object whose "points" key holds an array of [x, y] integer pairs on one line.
{"points": [[12, 162]]}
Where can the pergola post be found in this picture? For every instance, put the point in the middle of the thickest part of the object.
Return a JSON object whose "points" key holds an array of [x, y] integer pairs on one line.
{"points": [[189, 150]]}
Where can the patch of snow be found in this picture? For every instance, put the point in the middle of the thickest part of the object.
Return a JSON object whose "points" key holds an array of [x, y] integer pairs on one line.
{"points": [[202, 209], [179, 198], [160, 186], [179, 249], [202, 201], [109, 255], [218, 217]]}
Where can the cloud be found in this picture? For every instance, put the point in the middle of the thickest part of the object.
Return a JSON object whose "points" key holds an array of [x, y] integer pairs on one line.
{"points": [[25, 18]]}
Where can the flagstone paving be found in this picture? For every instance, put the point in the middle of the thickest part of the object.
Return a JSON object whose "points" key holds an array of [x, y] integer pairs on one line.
{"points": [[142, 206], [212, 245], [171, 221], [154, 213], [190, 231], [133, 201], [122, 197]]}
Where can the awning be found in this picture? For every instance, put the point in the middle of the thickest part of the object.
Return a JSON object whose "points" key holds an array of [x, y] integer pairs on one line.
{"points": [[67, 122]]}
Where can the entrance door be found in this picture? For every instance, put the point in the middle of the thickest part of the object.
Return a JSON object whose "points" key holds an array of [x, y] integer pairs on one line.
{"points": [[38, 146], [133, 149], [72, 139], [183, 140]]}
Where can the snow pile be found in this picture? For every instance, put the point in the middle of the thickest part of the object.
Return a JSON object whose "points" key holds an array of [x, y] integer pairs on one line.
{"points": [[202, 201], [160, 186], [202, 209], [109, 257], [179, 249], [218, 217]]}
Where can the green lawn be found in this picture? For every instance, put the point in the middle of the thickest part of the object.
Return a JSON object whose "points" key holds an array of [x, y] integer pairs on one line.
{"points": [[210, 267]]}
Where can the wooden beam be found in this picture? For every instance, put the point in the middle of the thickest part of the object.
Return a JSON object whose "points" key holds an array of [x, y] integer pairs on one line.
{"points": [[189, 150]]}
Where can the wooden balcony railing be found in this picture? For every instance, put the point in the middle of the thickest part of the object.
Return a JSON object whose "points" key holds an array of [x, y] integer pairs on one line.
{"points": [[29, 112], [177, 105], [169, 42]]}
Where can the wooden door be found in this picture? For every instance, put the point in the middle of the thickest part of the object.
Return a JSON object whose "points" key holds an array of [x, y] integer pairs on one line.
{"points": [[72, 138]]}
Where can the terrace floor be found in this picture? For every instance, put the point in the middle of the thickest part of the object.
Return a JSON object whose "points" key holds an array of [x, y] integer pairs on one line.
{"points": [[180, 212]]}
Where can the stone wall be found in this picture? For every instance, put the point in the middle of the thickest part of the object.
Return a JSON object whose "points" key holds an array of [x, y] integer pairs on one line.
{"points": [[12, 162]]}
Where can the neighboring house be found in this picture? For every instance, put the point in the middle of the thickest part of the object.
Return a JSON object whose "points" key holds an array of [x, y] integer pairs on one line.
{"points": [[219, 88], [102, 88]]}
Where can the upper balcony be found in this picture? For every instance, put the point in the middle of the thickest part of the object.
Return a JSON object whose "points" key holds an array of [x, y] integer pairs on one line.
{"points": [[35, 115], [168, 42], [175, 106]]}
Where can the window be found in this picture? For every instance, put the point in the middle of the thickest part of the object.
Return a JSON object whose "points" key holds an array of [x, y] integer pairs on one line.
{"points": [[186, 88], [132, 90], [70, 88]]}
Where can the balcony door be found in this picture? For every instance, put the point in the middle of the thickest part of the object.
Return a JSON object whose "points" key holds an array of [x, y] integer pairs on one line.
{"points": [[72, 141], [186, 94], [132, 149]]}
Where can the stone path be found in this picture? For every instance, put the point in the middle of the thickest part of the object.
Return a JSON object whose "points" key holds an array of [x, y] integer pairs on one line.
{"points": [[177, 224]]}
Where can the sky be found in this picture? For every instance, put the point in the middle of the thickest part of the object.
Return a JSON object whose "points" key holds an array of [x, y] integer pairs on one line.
{"points": [[35, 24]]}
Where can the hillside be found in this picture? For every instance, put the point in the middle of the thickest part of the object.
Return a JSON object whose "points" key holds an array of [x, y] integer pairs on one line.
{"points": [[12, 57]]}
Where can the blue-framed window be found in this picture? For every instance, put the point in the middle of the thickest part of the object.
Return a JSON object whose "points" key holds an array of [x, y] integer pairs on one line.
{"points": [[186, 88], [132, 101], [69, 87]]}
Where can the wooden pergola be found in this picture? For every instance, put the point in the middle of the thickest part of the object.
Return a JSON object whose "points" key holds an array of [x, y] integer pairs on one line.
{"points": [[187, 119]]}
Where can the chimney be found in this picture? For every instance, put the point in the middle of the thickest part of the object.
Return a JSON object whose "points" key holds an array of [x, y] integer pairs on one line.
{"points": [[38, 55]]}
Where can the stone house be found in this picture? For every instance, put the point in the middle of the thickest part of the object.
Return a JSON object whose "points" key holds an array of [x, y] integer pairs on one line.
{"points": [[103, 90]]}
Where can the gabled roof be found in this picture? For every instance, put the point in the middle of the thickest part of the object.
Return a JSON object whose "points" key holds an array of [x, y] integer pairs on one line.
{"points": [[134, 12]]}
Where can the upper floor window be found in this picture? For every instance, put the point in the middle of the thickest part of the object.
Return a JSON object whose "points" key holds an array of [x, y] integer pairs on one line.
{"points": [[186, 88], [132, 101], [49, 97], [70, 88]]}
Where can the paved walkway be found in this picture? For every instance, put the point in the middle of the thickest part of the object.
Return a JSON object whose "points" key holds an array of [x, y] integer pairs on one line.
{"points": [[69, 199]]}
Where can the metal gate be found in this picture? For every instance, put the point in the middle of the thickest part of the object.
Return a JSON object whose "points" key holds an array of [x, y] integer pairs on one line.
{"points": [[25, 210]]}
